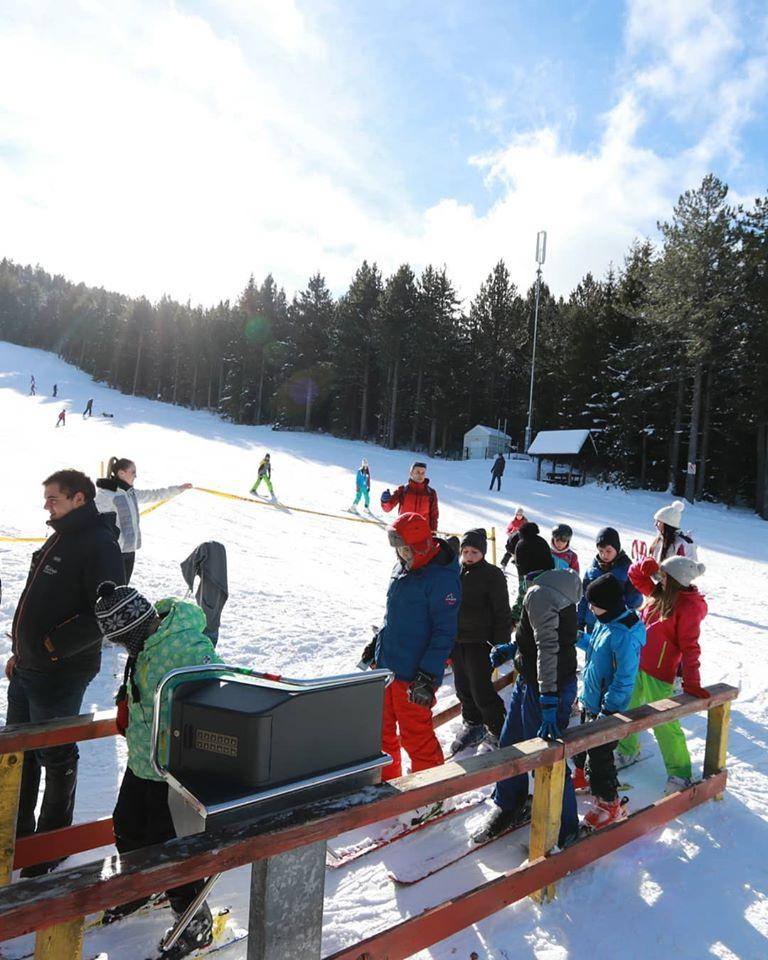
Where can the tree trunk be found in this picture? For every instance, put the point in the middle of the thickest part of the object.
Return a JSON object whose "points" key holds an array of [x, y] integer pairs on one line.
{"points": [[432, 436], [393, 406], [221, 382], [175, 379], [261, 387], [194, 387], [364, 401], [417, 406], [138, 361], [210, 389], [674, 451], [701, 473], [444, 445], [693, 436], [308, 404], [643, 459]]}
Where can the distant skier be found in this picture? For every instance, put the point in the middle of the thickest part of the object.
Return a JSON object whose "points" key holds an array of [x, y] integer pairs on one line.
{"points": [[88, 412], [363, 485], [497, 472], [416, 496], [513, 530], [158, 638], [55, 390], [265, 474], [32, 385], [62, 421], [117, 494]]}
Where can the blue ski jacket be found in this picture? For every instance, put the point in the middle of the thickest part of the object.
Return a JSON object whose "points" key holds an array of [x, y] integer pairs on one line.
{"points": [[421, 621], [612, 661], [619, 568]]}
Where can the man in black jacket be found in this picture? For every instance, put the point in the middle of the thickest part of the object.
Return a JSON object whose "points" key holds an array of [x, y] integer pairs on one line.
{"points": [[56, 642], [485, 620], [497, 471]]}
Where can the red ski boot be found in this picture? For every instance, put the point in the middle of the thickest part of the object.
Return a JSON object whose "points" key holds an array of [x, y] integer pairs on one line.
{"points": [[606, 812]]}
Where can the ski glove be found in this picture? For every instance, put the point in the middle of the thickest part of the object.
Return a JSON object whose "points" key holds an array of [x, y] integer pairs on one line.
{"points": [[549, 729], [696, 690], [421, 689], [501, 653], [386, 496], [649, 567], [367, 660]]}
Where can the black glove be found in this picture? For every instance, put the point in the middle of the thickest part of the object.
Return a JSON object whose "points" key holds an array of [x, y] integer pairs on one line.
{"points": [[421, 690], [386, 496], [367, 660]]}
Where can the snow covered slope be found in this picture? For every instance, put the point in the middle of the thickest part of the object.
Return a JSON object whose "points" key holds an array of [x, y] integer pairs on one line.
{"points": [[305, 590]]}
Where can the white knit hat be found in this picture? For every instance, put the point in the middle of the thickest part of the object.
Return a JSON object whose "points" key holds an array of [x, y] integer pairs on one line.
{"points": [[683, 569], [671, 514]]}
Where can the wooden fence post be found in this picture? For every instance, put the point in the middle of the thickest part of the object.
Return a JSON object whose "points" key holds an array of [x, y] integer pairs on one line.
{"points": [[10, 781], [62, 942], [545, 818], [716, 750], [286, 910]]}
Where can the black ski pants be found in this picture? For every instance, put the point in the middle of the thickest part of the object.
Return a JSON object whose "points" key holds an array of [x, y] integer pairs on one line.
{"points": [[496, 478], [472, 674], [141, 818], [599, 766]]}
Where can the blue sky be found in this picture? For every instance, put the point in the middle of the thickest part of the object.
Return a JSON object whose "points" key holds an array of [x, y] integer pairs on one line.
{"points": [[154, 146]]}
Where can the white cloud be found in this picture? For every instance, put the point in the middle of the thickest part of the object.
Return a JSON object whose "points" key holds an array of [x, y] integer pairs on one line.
{"points": [[152, 150]]}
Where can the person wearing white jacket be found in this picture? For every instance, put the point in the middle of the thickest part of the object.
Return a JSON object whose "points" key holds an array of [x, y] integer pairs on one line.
{"points": [[116, 494], [670, 540]]}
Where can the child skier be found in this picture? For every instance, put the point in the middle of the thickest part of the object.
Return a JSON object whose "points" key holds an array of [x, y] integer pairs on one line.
{"points": [[561, 546], [612, 658], [62, 421], [415, 640], [484, 620], [516, 522], [363, 485], [265, 474], [672, 617], [610, 558], [158, 639]]}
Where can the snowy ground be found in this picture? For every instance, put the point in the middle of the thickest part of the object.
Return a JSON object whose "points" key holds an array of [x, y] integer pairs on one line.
{"points": [[304, 591]]}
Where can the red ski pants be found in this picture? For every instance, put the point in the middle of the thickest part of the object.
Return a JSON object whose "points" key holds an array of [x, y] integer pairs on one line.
{"points": [[408, 726]]}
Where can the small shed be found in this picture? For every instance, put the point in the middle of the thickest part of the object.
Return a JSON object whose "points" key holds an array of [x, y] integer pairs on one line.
{"points": [[567, 450], [481, 442]]}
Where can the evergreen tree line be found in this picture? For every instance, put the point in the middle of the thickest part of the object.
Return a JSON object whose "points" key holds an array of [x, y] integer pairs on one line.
{"points": [[665, 358]]}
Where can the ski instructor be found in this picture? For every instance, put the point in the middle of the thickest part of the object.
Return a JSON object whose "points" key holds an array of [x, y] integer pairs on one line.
{"points": [[416, 496]]}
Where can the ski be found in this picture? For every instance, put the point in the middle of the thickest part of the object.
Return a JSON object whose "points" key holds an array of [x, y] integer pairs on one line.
{"points": [[420, 866], [223, 936], [395, 830], [158, 902]]}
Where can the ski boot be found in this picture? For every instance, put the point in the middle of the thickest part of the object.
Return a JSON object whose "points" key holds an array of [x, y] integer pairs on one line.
{"points": [[500, 821], [469, 736], [606, 812], [580, 782], [197, 936]]}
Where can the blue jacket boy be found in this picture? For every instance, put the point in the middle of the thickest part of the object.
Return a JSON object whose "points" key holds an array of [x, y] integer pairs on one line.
{"points": [[611, 559]]}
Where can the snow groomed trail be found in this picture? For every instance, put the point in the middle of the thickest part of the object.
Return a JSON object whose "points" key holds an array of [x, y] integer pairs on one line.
{"points": [[304, 592]]}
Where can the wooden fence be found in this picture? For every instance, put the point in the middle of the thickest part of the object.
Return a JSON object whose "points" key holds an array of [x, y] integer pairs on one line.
{"points": [[55, 906]]}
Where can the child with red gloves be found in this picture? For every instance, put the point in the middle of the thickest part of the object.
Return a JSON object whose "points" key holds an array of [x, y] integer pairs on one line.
{"points": [[672, 617]]}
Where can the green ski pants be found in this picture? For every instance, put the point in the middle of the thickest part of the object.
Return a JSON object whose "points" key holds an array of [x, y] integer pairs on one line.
{"points": [[669, 736]]}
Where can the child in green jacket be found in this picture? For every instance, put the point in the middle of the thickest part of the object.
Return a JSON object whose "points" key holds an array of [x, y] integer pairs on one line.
{"points": [[159, 638]]}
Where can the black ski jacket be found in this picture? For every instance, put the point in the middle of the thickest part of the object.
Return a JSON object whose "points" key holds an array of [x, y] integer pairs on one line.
{"points": [[54, 628], [484, 615]]}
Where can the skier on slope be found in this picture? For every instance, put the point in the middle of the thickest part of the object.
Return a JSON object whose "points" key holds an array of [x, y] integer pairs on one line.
{"points": [[62, 421], [545, 657], [32, 385], [158, 638], [116, 494], [610, 670], [485, 620], [415, 640], [497, 472], [264, 474], [416, 496], [362, 485], [88, 412]]}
